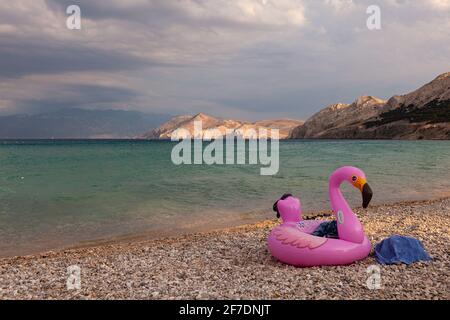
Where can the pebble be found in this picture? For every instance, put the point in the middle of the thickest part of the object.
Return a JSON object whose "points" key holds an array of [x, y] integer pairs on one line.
{"points": [[235, 264]]}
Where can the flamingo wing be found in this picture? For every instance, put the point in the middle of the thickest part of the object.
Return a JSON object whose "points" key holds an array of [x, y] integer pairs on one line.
{"points": [[290, 235]]}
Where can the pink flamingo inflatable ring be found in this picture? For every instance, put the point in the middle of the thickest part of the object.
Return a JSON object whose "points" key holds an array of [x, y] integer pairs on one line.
{"points": [[292, 241]]}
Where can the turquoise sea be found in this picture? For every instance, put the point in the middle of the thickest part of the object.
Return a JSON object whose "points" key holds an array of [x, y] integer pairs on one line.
{"points": [[61, 193]]}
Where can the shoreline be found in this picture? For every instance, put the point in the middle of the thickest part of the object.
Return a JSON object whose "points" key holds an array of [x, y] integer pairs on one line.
{"points": [[234, 262], [163, 235], [152, 236]]}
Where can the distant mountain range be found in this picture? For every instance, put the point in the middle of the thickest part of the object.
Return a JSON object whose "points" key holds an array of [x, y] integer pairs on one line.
{"points": [[238, 127], [422, 114], [79, 123]]}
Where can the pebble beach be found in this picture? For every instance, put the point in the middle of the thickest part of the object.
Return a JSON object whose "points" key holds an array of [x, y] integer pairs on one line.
{"points": [[235, 264]]}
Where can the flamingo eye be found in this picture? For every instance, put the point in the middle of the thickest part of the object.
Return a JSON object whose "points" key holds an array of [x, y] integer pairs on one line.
{"points": [[354, 178]]}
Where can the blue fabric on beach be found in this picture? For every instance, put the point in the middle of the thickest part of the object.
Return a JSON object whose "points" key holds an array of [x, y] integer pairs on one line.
{"points": [[327, 229], [400, 249]]}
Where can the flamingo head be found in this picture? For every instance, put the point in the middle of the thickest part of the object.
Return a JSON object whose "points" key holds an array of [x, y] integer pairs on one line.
{"points": [[357, 178], [289, 208]]}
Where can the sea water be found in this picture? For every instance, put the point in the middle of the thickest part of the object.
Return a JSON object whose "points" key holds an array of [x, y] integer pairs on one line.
{"points": [[62, 193]]}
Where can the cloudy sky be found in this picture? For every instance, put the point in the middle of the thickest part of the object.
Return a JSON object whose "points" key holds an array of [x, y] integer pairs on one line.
{"points": [[249, 59]]}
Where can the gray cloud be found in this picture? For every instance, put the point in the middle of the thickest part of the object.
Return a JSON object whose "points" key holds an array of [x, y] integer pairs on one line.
{"points": [[243, 58], [193, 13], [73, 96], [21, 56]]}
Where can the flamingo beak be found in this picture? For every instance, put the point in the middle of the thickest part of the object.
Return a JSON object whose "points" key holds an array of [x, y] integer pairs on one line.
{"points": [[365, 189], [367, 194]]}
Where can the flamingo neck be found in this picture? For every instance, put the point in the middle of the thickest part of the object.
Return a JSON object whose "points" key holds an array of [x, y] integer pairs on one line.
{"points": [[349, 227], [338, 202]]}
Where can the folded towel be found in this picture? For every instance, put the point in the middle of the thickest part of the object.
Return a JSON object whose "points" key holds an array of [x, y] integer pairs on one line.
{"points": [[400, 249]]}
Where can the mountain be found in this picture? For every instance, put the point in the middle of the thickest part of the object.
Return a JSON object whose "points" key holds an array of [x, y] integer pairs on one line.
{"points": [[78, 123], [421, 114], [220, 126], [339, 116]]}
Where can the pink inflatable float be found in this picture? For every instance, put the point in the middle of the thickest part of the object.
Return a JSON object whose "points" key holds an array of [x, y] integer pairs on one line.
{"points": [[292, 242]]}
